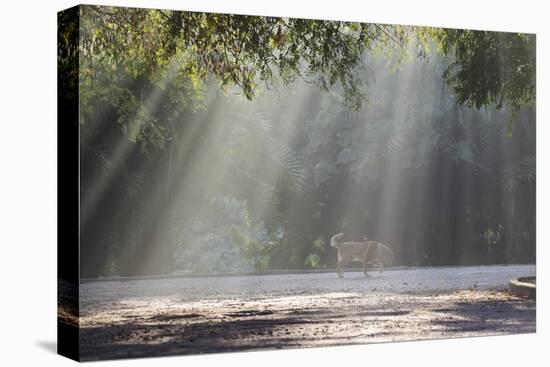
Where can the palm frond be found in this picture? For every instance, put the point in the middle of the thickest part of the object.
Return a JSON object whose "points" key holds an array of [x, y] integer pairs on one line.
{"points": [[392, 146], [134, 183], [291, 165], [522, 170]]}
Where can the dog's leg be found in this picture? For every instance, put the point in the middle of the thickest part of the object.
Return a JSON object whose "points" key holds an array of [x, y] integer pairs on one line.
{"points": [[339, 269], [341, 264], [365, 260]]}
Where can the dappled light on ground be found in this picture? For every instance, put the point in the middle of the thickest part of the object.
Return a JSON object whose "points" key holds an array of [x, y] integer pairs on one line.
{"points": [[394, 306]]}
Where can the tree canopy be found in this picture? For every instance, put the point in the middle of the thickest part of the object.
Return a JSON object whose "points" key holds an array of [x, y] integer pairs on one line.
{"points": [[489, 67], [125, 53]]}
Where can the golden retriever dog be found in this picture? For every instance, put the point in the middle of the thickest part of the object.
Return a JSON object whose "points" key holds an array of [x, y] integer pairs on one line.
{"points": [[368, 252]]}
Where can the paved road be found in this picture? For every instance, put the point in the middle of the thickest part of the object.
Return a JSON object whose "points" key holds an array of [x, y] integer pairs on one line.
{"points": [[437, 279], [182, 315]]}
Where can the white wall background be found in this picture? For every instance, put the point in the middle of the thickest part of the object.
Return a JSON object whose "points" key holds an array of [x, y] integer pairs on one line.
{"points": [[28, 180]]}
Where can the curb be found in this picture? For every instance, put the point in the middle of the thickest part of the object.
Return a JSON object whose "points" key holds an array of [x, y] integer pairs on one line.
{"points": [[524, 287]]}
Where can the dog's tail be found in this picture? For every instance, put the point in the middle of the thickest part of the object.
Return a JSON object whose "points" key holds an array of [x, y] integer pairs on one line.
{"points": [[335, 238], [381, 246]]}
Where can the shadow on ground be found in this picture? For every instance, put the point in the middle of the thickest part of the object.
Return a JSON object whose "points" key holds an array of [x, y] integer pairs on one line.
{"points": [[493, 315], [158, 339], [172, 327]]}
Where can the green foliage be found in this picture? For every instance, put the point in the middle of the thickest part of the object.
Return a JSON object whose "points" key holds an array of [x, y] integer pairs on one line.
{"points": [[68, 55], [488, 67], [151, 65], [232, 185], [210, 253], [520, 171], [251, 250], [258, 162], [204, 248], [313, 261], [130, 57], [493, 237]]}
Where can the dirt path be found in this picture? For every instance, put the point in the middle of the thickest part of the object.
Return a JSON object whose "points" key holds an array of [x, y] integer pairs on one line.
{"points": [[139, 318]]}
